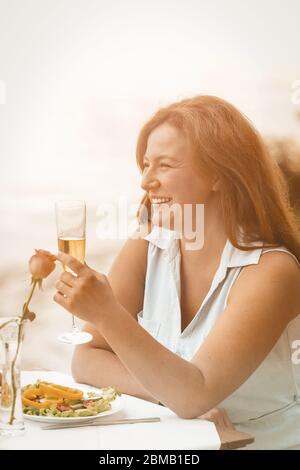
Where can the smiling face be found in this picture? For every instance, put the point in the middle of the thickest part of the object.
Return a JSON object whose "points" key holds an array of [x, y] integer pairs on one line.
{"points": [[170, 174]]}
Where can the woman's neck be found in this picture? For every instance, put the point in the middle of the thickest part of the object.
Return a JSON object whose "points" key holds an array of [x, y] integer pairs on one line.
{"points": [[213, 237]]}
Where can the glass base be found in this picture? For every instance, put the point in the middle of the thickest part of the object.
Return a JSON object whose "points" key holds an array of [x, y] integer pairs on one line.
{"points": [[75, 337], [12, 430]]}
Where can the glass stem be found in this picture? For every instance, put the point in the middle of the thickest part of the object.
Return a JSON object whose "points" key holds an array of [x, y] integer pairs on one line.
{"points": [[12, 371], [74, 327]]}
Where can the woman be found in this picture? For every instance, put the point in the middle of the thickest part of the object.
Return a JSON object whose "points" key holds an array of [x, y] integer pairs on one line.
{"points": [[214, 326]]}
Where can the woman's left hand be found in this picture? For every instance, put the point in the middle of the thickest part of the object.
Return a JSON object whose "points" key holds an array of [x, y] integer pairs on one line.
{"points": [[86, 295], [219, 417]]}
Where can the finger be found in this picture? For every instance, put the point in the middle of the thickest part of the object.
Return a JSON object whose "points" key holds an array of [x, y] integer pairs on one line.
{"points": [[213, 417], [227, 421], [96, 273], [220, 418], [47, 253], [68, 278], [63, 288], [71, 262], [60, 299], [206, 416]]}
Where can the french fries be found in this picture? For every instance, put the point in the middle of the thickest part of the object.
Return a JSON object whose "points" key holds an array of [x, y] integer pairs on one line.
{"points": [[58, 391], [44, 395]]}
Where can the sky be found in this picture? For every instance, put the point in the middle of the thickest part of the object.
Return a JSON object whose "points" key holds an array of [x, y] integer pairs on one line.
{"points": [[81, 77]]}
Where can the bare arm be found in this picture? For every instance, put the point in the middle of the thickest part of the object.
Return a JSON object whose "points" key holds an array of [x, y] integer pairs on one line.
{"points": [[265, 299], [96, 363]]}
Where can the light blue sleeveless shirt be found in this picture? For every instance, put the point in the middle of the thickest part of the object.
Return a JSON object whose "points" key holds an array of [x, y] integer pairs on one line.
{"points": [[267, 405]]}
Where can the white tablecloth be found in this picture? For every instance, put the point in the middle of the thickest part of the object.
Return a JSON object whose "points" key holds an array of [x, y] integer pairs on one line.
{"points": [[170, 433]]}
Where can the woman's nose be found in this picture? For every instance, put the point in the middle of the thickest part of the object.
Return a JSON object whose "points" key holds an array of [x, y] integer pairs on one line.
{"points": [[149, 182]]}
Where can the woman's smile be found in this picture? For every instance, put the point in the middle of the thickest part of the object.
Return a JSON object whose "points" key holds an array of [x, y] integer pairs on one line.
{"points": [[160, 199]]}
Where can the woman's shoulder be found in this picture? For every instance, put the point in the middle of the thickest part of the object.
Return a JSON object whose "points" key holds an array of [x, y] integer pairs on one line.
{"points": [[280, 258], [135, 248], [276, 274], [276, 262]]}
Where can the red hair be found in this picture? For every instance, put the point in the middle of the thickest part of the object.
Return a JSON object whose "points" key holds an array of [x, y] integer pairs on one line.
{"points": [[253, 191]]}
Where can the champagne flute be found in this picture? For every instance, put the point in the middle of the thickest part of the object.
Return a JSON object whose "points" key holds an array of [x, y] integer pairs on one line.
{"points": [[70, 225]]}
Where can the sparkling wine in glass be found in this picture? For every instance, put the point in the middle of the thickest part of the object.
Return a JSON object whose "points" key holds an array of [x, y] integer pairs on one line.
{"points": [[71, 224]]}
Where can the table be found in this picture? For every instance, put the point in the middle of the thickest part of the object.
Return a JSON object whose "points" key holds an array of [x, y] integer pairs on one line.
{"points": [[166, 434]]}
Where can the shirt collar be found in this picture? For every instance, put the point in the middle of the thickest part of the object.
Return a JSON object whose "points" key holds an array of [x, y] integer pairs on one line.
{"points": [[237, 258], [162, 237], [232, 257]]}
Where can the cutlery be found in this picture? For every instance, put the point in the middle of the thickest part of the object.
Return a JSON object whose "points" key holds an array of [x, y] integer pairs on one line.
{"points": [[101, 423]]}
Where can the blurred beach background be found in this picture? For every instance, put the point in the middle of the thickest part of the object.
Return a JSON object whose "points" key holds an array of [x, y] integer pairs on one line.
{"points": [[77, 81]]}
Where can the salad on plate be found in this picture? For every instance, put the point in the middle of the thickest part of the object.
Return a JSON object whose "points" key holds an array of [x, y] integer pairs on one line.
{"points": [[53, 400]]}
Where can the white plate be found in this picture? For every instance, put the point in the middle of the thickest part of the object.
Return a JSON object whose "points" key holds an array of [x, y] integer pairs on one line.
{"points": [[116, 405]]}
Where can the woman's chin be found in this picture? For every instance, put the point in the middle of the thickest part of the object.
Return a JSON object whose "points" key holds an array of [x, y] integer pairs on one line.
{"points": [[159, 221], [163, 217]]}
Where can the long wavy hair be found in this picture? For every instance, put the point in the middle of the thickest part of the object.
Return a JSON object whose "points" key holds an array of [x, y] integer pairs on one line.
{"points": [[253, 192]]}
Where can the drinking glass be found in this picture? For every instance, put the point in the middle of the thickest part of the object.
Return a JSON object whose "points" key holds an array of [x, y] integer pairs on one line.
{"points": [[71, 224], [11, 411]]}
